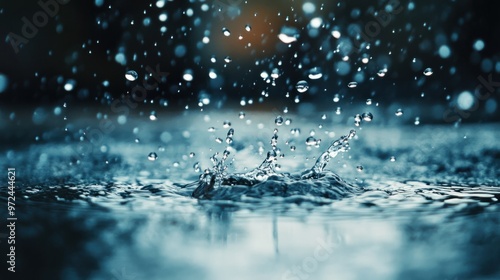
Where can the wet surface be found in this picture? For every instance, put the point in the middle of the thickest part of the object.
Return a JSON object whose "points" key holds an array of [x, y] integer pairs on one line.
{"points": [[412, 203]]}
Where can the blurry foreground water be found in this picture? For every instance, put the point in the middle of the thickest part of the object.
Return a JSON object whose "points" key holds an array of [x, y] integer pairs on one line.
{"points": [[419, 202]]}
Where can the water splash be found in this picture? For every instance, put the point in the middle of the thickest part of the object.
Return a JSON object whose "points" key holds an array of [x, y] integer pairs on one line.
{"points": [[215, 177], [337, 146]]}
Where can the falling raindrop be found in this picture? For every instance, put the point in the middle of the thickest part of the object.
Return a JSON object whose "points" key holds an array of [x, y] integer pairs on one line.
{"points": [[152, 116], [131, 75], [381, 73], [428, 72], [152, 156], [311, 141], [279, 120], [367, 117], [302, 86], [352, 85], [226, 32]]}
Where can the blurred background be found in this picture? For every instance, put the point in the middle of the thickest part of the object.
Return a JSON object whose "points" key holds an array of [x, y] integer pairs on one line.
{"points": [[421, 57]]}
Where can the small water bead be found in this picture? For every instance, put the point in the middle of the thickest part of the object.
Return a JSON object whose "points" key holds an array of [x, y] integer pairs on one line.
{"points": [[352, 85], [311, 141], [323, 117], [399, 112], [336, 98], [197, 167], [367, 117], [393, 158], [295, 131], [288, 121], [428, 71], [279, 120], [161, 149], [152, 116], [368, 102], [226, 124], [302, 86], [381, 73], [248, 28], [417, 121], [241, 115], [359, 168], [225, 154], [226, 32], [274, 141], [137, 140], [211, 129], [338, 111], [192, 154], [285, 110], [218, 140], [152, 156], [131, 75], [293, 148], [227, 59]]}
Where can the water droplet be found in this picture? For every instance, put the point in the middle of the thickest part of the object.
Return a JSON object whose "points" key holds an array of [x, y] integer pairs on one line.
{"points": [[352, 85], [293, 148], [131, 75], [399, 112], [288, 121], [241, 115], [226, 32], [218, 140], [137, 140], [417, 121], [278, 120], [336, 98], [311, 141], [368, 102], [248, 28], [323, 117], [188, 75], [152, 116], [359, 168], [211, 129], [226, 124], [302, 86], [196, 167], [152, 156], [338, 111], [381, 73], [428, 71], [393, 158], [227, 59], [367, 117], [315, 73]]}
